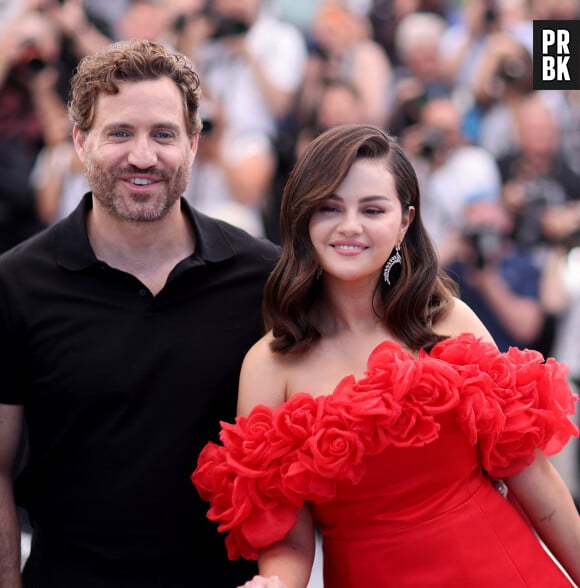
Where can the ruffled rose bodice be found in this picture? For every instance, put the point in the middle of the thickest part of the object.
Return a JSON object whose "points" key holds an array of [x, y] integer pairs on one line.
{"points": [[503, 405]]}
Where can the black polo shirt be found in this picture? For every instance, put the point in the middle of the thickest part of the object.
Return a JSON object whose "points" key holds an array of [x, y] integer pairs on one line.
{"points": [[122, 389]]}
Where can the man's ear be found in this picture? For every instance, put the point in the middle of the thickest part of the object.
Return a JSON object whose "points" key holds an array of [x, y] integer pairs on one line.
{"points": [[79, 139], [193, 145]]}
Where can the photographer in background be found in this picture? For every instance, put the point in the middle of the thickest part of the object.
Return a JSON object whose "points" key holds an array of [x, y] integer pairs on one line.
{"points": [[540, 188], [418, 75], [32, 115], [232, 173], [40, 45], [497, 278], [464, 42], [453, 175], [252, 66], [504, 79], [252, 63]]}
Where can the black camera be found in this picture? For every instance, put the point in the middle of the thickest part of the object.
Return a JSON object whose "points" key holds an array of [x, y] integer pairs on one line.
{"points": [[31, 60], [180, 23], [490, 16], [36, 65], [229, 27], [511, 69], [224, 25], [486, 242], [431, 142]]}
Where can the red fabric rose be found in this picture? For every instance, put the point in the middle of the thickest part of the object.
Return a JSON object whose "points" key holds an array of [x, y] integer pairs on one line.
{"points": [[261, 528], [465, 349], [511, 403], [413, 427], [435, 387], [300, 478], [293, 422]]}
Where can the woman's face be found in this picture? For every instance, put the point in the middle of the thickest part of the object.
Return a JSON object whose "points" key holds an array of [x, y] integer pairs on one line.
{"points": [[354, 231]]}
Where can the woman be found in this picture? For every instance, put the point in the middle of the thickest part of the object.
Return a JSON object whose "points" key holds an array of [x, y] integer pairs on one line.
{"points": [[378, 409]]}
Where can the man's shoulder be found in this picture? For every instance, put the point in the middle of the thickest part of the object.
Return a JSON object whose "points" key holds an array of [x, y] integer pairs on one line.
{"points": [[240, 241], [35, 247]]}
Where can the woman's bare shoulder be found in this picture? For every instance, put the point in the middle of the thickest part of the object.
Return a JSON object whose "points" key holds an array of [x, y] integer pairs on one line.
{"points": [[263, 377], [462, 319], [263, 356]]}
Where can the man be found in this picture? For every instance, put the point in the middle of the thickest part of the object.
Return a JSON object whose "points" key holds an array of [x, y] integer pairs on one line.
{"points": [[122, 331]]}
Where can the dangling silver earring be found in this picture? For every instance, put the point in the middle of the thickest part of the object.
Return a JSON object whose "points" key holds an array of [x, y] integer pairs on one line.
{"points": [[318, 273], [391, 263]]}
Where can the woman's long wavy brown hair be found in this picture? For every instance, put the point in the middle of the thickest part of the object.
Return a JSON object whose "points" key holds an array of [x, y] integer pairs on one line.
{"points": [[293, 295]]}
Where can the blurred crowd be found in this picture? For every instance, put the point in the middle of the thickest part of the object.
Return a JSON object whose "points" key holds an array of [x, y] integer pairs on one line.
{"points": [[498, 162]]}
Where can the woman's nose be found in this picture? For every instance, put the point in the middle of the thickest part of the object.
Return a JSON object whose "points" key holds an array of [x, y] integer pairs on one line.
{"points": [[350, 224]]}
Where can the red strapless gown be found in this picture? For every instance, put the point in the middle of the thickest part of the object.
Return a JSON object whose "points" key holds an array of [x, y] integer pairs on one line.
{"points": [[393, 465]]}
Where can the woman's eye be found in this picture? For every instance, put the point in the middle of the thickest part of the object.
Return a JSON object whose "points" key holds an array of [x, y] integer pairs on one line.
{"points": [[329, 208], [373, 211]]}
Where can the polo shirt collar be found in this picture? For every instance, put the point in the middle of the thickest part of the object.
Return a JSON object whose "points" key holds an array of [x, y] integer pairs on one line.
{"points": [[74, 251]]}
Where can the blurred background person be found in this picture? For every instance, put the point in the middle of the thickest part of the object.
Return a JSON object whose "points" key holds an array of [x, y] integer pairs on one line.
{"points": [[58, 180], [342, 48], [498, 278], [554, 9], [340, 103], [418, 75], [539, 187], [251, 66], [487, 56], [40, 47], [32, 115], [386, 16], [233, 173], [464, 40], [298, 12], [452, 173], [252, 63], [504, 79]]}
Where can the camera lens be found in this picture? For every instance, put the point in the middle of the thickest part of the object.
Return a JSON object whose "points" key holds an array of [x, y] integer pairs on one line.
{"points": [[490, 16], [36, 65]]}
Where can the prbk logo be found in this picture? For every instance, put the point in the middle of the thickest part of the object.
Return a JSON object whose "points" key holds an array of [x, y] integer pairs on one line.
{"points": [[557, 54]]}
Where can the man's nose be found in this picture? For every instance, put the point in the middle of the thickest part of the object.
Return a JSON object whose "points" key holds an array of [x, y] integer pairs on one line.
{"points": [[142, 153]]}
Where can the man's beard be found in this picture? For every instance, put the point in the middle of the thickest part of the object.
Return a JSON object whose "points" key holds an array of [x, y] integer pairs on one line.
{"points": [[112, 192]]}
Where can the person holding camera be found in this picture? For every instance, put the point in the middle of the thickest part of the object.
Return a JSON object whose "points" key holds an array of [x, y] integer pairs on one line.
{"points": [[540, 187], [251, 65], [453, 174], [504, 80], [417, 77], [39, 47], [498, 278], [32, 115], [463, 43]]}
